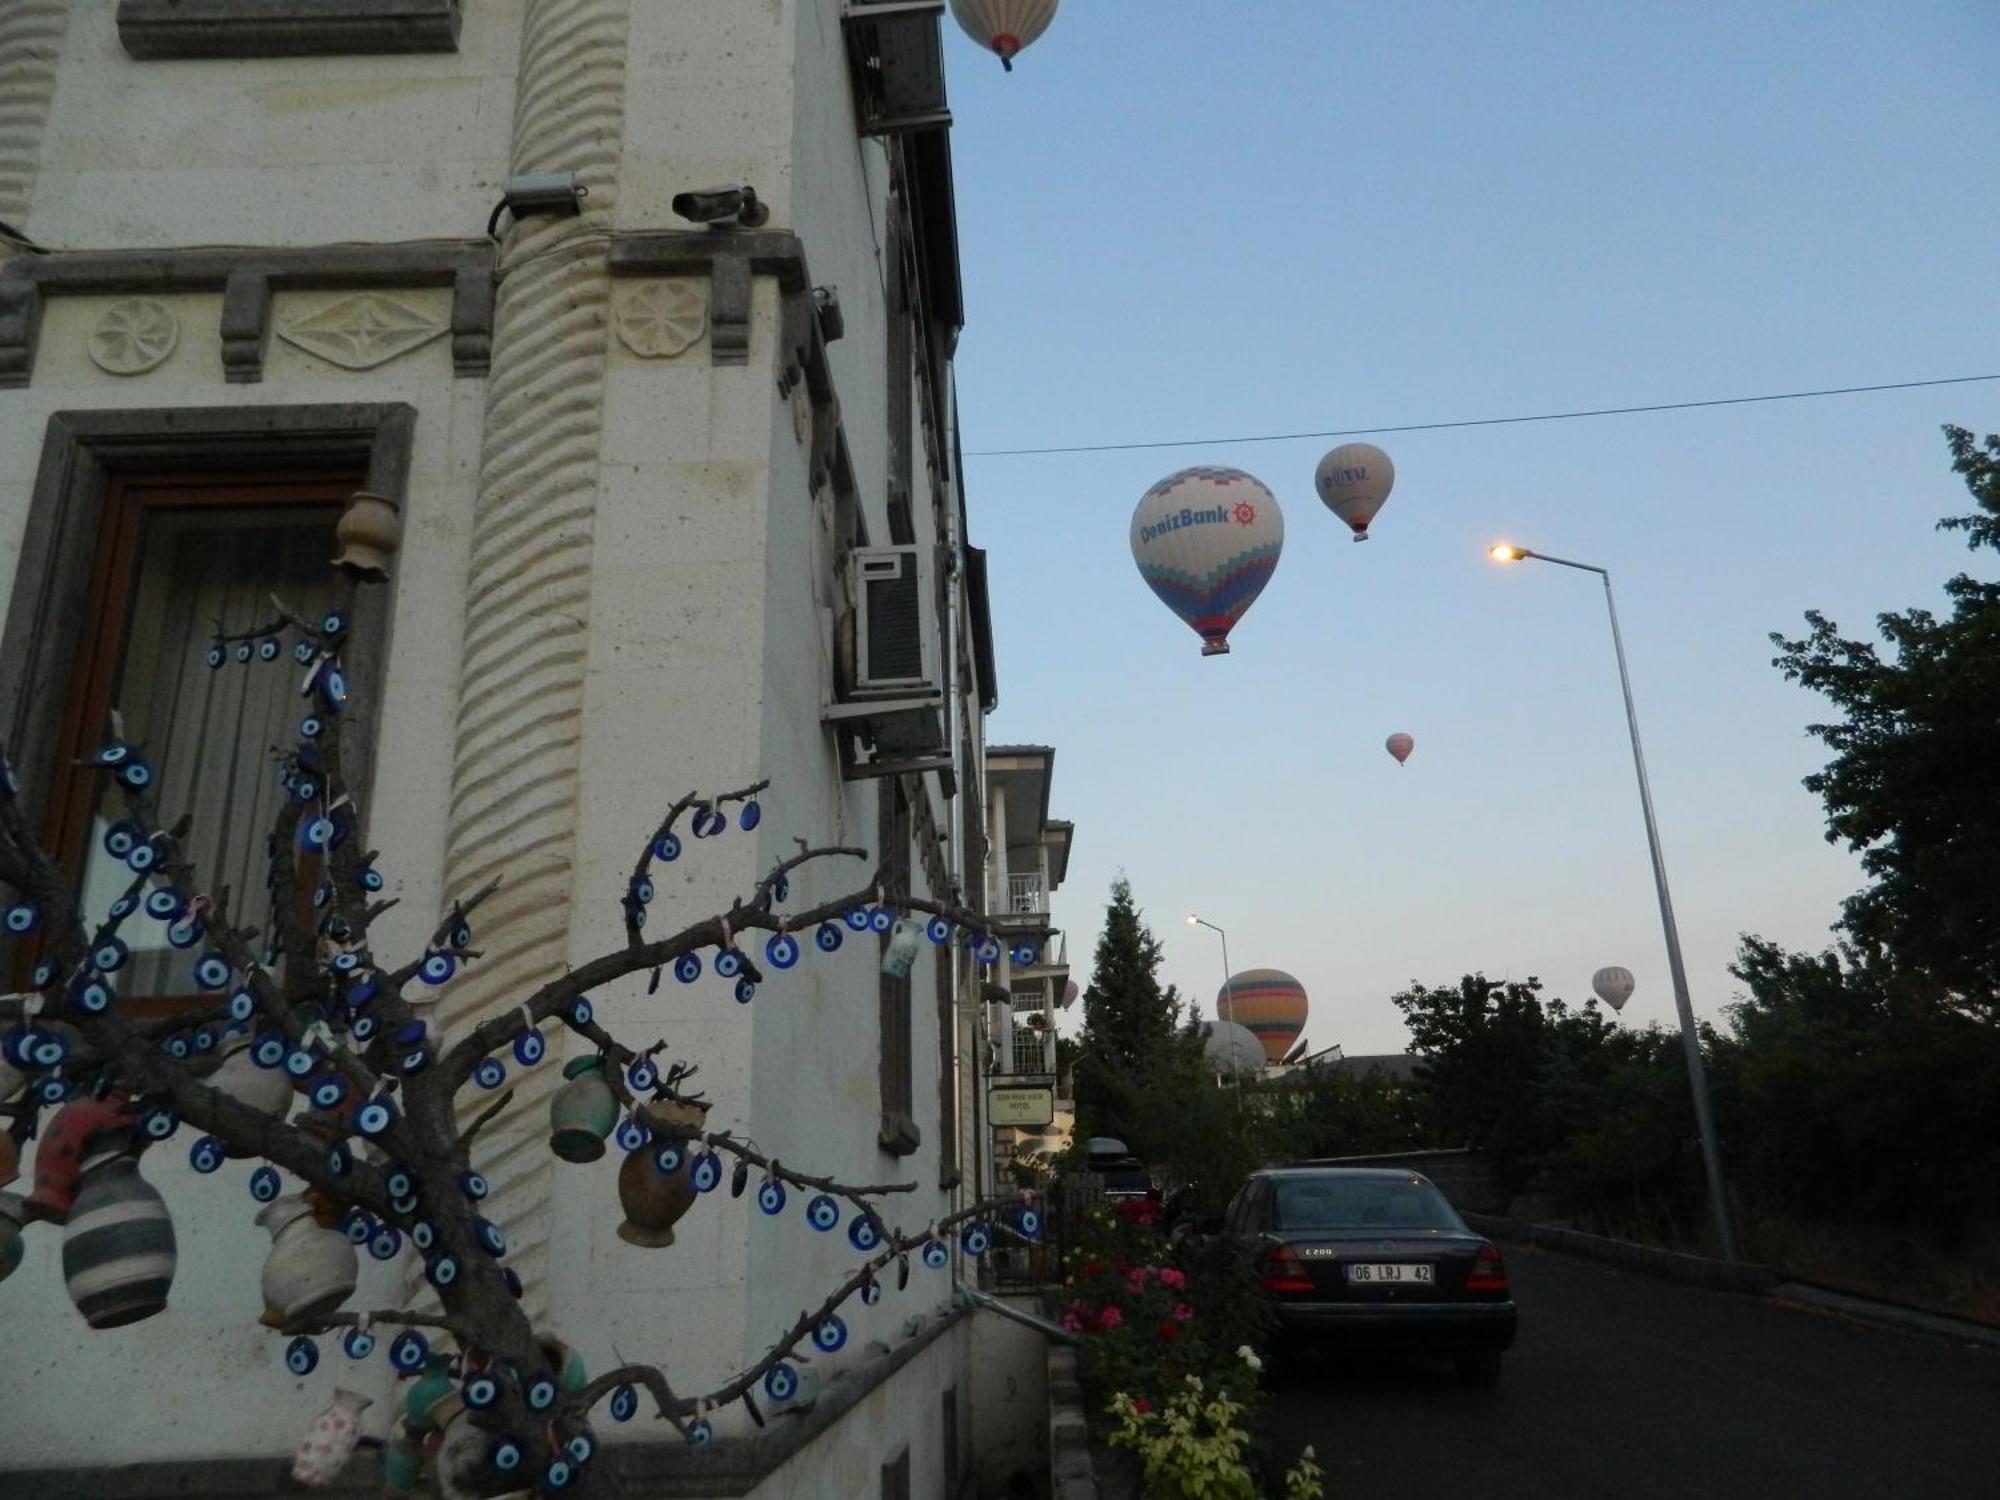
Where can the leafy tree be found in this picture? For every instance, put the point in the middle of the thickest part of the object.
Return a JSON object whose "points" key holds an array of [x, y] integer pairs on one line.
{"points": [[1128, 1025], [1335, 1113], [1910, 785]]}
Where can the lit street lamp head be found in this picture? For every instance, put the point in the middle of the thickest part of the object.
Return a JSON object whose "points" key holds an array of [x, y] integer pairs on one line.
{"points": [[1506, 552]]}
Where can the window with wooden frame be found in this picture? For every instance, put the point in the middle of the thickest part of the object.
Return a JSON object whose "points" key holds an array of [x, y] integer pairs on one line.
{"points": [[178, 560]]}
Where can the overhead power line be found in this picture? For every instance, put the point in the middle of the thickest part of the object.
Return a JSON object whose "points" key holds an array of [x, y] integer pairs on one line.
{"points": [[1547, 416]]}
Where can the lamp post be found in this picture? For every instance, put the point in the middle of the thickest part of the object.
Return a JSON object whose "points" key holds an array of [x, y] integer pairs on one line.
{"points": [[1711, 1153], [1227, 972]]}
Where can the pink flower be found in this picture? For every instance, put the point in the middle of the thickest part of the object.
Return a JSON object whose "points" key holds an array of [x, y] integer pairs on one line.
{"points": [[1072, 1322], [1137, 1280], [1108, 1318], [1142, 1406], [1182, 1312], [1173, 1278]]}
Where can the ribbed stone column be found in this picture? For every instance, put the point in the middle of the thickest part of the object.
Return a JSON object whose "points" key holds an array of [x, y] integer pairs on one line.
{"points": [[31, 34], [520, 715]]}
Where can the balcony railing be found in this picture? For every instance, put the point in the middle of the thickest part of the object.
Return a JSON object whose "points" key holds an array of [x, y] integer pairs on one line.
{"points": [[1025, 896], [1034, 1051]]}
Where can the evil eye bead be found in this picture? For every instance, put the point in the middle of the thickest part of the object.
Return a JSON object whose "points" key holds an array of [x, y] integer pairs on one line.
{"points": [[122, 837], [505, 1455], [215, 656], [206, 1155], [640, 891], [987, 951], [264, 1184], [267, 650], [728, 963], [473, 1185], [45, 973], [136, 773], [364, 1028], [530, 1047], [667, 848], [179, 1046], [268, 1050], [624, 1403], [423, 1233], [935, 1255], [211, 971], [242, 1005], [581, 1011], [109, 956], [829, 1334], [114, 754], [23, 916], [700, 1433], [480, 1391], [781, 951], [781, 889], [581, 1448], [827, 939], [490, 1239], [164, 903], [400, 1182], [975, 1241], [333, 689], [706, 1173], [771, 1197], [302, 1356], [881, 919], [687, 968], [669, 1158], [442, 1272], [375, 1117], [460, 936], [642, 1075], [159, 1123], [856, 918], [750, 816], [822, 1213], [632, 1136], [489, 1073], [871, 1293], [437, 968], [557, 1473], [708, 823], [1022, 953], [299, 1063], [746, 990], [540, 1394], [50, 1051], [409, 1349], [309, 727], [93, 996], [335, 623], [141, 858], [359, 1343], [302, 653], [386, 1243], [51, 1091], [1029, 1222], [864, 1233], [242, 651], [316, 833], [371, 879], [340, 1158], [781, 1382], [185, 932]]}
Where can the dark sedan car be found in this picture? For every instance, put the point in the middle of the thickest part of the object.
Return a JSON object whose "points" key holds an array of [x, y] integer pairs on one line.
{"points": [[1374, 1259]]}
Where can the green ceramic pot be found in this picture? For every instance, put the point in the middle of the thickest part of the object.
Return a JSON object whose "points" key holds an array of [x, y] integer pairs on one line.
{"points": [[583, 1111]]}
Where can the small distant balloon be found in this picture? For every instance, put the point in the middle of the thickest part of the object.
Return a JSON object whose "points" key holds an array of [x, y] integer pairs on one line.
{"points": [[1613, 985], [1354, 480], [1400, 746], [1207, 540]]}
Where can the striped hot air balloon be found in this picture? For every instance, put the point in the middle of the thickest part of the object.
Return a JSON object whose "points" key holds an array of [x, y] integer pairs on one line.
{"points": [[1004, 27], [1268, 1001], [1207, 540]]}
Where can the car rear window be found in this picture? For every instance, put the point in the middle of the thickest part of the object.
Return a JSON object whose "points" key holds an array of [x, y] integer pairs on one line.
{"points": [[1360, 1203], [1125, 1182]]}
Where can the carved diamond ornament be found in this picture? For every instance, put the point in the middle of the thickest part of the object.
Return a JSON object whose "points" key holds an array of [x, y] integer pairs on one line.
{"points": [[362, 331], [134, 335], [659, 319]]}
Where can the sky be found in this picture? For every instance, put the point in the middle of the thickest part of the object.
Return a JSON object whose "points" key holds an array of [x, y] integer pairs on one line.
{"points": [[1302, 215]]}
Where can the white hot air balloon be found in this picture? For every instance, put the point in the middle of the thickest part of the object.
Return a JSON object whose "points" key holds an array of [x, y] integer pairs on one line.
{"points": [[1613, 985], [1004, 27], [1400, 746], [1354, 479], [1207, 540]]}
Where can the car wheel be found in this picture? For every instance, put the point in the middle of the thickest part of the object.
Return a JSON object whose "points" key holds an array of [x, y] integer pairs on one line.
{"points": [[1480, 1371]]}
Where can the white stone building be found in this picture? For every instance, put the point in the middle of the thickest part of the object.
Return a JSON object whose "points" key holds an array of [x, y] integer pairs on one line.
{"points": [[247, 271]]}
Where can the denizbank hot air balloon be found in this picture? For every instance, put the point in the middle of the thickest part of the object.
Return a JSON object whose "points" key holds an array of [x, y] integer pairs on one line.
{"points": [[1207, 541], [1354, 479], [1268, 1001]]}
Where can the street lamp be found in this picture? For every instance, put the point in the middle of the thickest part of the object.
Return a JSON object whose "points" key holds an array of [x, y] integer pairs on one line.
{"points": [[1227, 992], [1711, 1153]]}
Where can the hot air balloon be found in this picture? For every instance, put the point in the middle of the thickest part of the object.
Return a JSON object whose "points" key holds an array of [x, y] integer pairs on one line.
{"points": [[1232, 1049], [1207, 541], [1004, 27], [1268, 1001], [1354, 479], [1400, 746], [1613, 985]]}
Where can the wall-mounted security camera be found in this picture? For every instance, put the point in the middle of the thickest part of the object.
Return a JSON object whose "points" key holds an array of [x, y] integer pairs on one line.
{"points": [[557, 194], [723, 205], [826, 307]]}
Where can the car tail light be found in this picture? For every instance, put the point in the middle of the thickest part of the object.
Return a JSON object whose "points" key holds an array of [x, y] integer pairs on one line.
{"points": [[1489, 1272], [1283, 1271]]}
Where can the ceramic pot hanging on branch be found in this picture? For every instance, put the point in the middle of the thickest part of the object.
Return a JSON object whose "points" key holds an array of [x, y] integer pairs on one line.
{"points": [[309, 1270], [654, 1200], [582, 1112], [59, 1154], [329, 1442], [118, 1240]]}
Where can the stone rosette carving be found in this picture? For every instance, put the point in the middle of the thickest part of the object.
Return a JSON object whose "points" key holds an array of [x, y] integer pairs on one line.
{"points": [[362, 331], [136, 334], [658, 319]]}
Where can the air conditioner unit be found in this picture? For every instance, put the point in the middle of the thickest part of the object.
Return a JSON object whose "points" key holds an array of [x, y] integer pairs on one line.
{"points": [[895, 622]]}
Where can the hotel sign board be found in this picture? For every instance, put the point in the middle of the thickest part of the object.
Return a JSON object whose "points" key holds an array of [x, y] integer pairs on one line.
{"points": [[1028, 1108]]}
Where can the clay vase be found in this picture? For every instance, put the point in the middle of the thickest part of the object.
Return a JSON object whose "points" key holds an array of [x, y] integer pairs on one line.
{"points": [[369, 532], [13, 1215], [60, 1155], [308, 1271], [420, 1404], [118, 1241], [582, 1112], [654, 1200], [327, 1445], [238, 1076]]}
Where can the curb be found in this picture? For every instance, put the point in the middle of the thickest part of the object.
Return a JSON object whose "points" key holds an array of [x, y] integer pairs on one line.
{"points": [[1672, 1265], [1069, 1434], [1886, 1314]]}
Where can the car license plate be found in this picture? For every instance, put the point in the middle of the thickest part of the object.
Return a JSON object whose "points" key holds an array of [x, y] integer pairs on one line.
{"points": [[1378, 1275]]}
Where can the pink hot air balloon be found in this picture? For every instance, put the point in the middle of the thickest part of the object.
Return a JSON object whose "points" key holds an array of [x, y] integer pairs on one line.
{"points": [[1400, 746], [1004, 27]]}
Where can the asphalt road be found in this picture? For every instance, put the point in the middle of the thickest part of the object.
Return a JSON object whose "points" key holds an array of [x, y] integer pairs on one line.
{"points": [[1630, 1387]]}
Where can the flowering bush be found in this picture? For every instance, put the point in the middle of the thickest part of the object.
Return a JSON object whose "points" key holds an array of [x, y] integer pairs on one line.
{"points": [[1195, 1444]]}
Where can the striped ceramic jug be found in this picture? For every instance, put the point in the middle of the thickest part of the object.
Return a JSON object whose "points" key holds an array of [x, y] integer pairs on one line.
{"points": [[118, 1242]]}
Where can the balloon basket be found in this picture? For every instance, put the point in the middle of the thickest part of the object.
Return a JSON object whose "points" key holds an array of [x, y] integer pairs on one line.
{"points": [[1215, 648]]}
